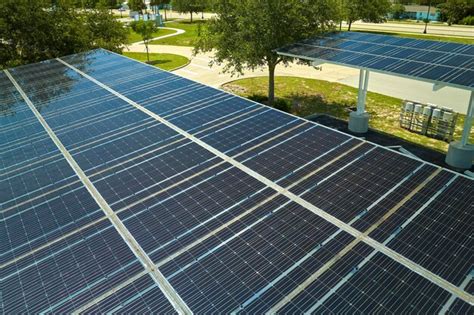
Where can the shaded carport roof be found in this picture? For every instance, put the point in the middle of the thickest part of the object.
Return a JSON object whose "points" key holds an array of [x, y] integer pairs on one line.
{"points": [[442, 63]]}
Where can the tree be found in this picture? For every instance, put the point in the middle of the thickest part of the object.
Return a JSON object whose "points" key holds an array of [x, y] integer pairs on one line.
{"points": [[109, 4], [105, 31], [157, 3], [188, 6], [246, 33], [32, 31], [455, 10], [398, 11], [374, 11], [430, 3], [146, 29], [137, 5], [352, 11]]}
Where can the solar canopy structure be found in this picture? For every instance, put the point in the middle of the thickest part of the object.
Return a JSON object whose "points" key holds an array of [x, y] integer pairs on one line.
{"points": [[439, 62], [129, 189]]}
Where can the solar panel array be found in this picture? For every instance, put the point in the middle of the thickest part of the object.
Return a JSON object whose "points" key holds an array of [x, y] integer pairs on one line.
{"points": [[434, 61], [129, 189]]}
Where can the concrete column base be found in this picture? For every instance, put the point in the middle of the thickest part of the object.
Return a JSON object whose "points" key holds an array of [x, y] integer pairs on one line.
{"points": [[359, 123], [460, 156]]}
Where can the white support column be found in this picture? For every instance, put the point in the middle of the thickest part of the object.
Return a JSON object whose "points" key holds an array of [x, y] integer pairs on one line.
{"points": [[468, 122], [359, 120], [461, 153]]}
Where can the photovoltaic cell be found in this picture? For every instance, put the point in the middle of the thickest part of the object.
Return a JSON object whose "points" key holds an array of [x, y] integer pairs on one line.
{"points": [[224, 240], [140, 296], [449, 63]]}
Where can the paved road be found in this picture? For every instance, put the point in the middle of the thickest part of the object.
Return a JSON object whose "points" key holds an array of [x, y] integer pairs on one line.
{"points": [[463, 31]]}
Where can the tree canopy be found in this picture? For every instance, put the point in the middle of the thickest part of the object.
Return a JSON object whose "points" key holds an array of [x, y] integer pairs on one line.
{"points": [[146, 29], [31, 31], [189, 6], [137, 5], [453, 11], [246, 33], [374, 11]]}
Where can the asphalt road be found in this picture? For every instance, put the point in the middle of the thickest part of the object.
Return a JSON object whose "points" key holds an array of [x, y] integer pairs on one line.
{"points": [[433, 29]]}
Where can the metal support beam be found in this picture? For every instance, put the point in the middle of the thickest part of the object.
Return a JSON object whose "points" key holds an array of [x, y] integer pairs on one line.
{"points": [[461, 153], [359, 120], [468, 122], [362, 95]]}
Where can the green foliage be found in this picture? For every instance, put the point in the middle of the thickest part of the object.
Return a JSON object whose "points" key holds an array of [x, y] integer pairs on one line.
{"points": [[398, 10], [189, 6], [137, 5], [246, 32], [147, 30], [453, 11], [105, 31], [374, 11], [283, 105], [32, 31], [259, 98], [468, 20], [279, 103]]}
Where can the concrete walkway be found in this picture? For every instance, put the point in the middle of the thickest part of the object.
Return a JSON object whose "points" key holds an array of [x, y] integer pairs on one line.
{"points": [[177, 32], [199, 70]]}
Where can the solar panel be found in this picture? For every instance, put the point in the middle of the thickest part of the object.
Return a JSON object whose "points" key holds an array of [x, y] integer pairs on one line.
{"points": [[130, 189], [447, 63]]}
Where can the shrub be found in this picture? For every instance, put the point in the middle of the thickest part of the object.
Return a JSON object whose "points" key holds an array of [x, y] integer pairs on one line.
{"points": [[468, 20], [259, 98], [282, 105]]}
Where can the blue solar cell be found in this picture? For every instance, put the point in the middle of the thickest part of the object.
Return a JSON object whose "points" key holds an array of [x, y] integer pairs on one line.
{"points": [[371, 51], [249, 258], [223, 239], [93, 260], [240, 134], [42, 220], [140, 296]]}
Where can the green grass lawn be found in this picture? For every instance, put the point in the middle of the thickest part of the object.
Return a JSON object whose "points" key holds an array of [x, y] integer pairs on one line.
{"points": [[135, 37], [309, 96], [186, 39], [163, 61]]}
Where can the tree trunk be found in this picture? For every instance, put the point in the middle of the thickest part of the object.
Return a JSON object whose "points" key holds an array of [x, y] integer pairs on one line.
{"points": [[164, 9], [271, 84], [147, 54], [340, 26], [350, 24], [191, 16], [427, 18]]}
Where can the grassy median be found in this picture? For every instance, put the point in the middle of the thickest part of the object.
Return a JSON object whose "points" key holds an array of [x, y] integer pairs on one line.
{"points": [[310, 96], [163, 61], [188, 38]]}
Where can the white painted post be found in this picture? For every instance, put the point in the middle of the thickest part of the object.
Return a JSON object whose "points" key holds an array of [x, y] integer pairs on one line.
{"points": [[468, 122], [360, 97], [359, 119], [366, 87]]}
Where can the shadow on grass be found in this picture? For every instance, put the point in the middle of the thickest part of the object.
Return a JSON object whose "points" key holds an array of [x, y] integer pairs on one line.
{"points": [[195, 21], [158, 62], [305, 105]]}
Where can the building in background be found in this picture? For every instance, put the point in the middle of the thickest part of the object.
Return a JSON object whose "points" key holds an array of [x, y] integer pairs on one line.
{"points": [[420, 12]]}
